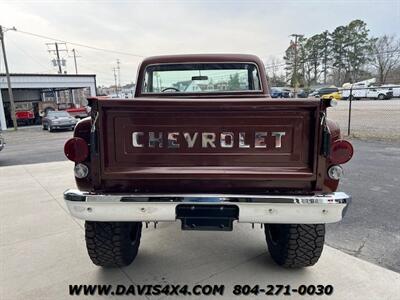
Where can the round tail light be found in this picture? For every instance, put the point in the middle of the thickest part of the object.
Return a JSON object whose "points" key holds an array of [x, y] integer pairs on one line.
{"points": [[76, 149], [341, 152]]}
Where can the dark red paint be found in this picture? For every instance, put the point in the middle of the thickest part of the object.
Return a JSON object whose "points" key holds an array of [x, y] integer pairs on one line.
{"points": [[117, 167]]}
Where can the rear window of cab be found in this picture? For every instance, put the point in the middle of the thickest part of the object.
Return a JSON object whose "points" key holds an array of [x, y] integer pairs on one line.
{"points": [[201, 78]]}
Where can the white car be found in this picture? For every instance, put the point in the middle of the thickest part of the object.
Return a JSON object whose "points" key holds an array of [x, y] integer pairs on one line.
{"points": [[395, 89], [363, 92]]}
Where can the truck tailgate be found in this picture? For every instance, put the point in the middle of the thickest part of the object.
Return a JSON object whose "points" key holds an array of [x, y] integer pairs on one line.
{"points": [[263, 141]]}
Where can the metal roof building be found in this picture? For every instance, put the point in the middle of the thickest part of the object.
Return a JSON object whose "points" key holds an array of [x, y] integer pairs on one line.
{"points": [[30, 87]]}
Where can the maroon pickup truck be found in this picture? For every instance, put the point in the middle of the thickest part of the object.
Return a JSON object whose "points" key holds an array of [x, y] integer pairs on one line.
{"points": [[204, 143]]}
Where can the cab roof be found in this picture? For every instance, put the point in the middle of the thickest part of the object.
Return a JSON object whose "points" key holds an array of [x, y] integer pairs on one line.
{"points": [[202, 58]]}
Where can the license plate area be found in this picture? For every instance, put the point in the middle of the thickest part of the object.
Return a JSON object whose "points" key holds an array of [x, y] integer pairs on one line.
{"points": [[218, 217]]}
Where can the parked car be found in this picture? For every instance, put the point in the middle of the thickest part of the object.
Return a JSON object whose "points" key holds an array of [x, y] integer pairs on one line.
{"points": [[280, 93], [302, 94], [58, 120], [276, 93], [362, 90], [324, 91], [394, 88], [78, 112], [208, 159], [73, 110], [2, 142], [24, 113], [335, 95], [287, 93]]}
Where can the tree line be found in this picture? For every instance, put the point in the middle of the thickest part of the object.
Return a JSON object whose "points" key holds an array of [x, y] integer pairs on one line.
{"points": [[347, 54]]}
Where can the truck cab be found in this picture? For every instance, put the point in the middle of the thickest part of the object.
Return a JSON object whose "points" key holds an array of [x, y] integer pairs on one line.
{"points": [[203, 143]]}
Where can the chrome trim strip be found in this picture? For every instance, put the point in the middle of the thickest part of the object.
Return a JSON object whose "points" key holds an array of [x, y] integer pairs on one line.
{"points": [[287, 209]]}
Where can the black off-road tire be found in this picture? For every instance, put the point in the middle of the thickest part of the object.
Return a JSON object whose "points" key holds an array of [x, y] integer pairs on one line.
{"points": [[112, 244], [381, 97], [295, 245]]}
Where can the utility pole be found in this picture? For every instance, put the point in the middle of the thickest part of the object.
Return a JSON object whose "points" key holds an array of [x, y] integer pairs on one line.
{"points": [[325, 54], [75, 56], [296, 36], [58, 59], [10, 92], [115, 81], [58, 62], [119, 75]]}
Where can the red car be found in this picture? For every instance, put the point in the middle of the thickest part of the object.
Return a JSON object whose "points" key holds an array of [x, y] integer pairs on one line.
{"points": [[24, 113]]}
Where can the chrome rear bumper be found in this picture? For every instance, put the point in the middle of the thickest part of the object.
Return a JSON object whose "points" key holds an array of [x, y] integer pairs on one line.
{"points": [[283, 209]]}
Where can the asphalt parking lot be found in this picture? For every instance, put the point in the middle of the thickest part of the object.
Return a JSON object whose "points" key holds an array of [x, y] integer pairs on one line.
{"points": [[32, 145]]}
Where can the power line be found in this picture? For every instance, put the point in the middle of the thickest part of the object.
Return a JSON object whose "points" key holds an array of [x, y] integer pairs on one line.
{"points": [[79, 44], [88, 66], [28, 55], [275, 66]]}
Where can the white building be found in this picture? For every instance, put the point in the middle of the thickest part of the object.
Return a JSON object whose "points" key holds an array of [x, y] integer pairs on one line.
{"points": [[33, 87]]}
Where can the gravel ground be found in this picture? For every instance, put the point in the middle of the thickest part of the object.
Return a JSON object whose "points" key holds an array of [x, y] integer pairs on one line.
{"points": [[378, 120]]}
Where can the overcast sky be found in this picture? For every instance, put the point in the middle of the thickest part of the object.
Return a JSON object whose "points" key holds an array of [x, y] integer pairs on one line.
{"points": [[170, 27]]}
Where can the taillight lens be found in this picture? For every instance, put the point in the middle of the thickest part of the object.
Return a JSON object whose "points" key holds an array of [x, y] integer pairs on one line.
{"points": [[81, 171], [76, 149], [341, 152], [335, 172]]}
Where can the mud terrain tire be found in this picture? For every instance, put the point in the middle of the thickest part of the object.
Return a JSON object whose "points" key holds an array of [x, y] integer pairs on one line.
{"points": [[295, 245], [112, 244]]}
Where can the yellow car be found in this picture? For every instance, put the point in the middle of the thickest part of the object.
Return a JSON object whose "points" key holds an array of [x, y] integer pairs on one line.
{"points": [[335, 95]]}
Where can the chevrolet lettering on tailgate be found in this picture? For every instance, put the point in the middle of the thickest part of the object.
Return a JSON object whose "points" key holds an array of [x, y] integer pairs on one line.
{"points": [[206, 139], [203, 143]]}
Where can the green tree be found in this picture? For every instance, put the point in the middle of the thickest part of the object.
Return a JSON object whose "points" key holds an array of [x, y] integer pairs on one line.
{"points": [[292, 64], [344, 54], [360, 48], [234, 83], [313, 54], [326, 44], [351, 50], [338, 37]]}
